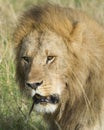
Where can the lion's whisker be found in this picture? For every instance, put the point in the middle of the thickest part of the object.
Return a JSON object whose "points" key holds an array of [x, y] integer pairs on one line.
{"points": [[83, 91], [57, 124]]}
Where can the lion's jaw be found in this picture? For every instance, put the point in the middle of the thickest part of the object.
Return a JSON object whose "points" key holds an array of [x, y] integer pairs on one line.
{"points": [[38, 49]]}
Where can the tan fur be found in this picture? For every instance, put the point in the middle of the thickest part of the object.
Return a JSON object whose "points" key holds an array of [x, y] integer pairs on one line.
{"points": [[77, 42]]}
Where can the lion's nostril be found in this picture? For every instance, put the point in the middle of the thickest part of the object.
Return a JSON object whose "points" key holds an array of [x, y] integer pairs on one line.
{"points": [[34, 85], [29, 85], [38, 83]]}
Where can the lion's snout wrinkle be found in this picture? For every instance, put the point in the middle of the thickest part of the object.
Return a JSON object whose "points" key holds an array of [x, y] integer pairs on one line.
{"points": [[34, 85]]}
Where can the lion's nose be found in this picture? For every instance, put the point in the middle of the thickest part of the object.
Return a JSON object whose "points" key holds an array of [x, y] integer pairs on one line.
{"points": [[34, 85]]}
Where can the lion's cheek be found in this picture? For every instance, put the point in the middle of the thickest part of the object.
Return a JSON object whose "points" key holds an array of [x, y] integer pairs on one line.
{"points": [[55, 87], [46, 108]]}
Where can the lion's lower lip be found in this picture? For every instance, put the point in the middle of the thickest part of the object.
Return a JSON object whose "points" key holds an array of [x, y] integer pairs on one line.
{"points": [[53, 99]]}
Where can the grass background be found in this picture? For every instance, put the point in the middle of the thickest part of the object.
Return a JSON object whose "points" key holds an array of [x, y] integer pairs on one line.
{"points": [[14, 107]]}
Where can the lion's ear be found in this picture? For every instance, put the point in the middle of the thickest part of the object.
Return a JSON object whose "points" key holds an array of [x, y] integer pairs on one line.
{"points": [[77, 33]]}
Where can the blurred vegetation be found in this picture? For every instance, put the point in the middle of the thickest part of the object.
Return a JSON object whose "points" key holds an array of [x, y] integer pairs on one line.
{"points": [[14, 107]]}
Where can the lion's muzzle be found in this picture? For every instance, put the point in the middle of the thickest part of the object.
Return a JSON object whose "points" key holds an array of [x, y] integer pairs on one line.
{"points": [[34, 85], [53, 99]]}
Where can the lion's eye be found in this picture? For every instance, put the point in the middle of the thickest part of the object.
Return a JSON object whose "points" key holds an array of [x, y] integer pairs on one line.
{"points": [[26, 59], [50, 59]]}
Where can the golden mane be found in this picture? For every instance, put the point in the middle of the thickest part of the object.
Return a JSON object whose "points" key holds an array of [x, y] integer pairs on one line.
{"points": [[40, 17]]}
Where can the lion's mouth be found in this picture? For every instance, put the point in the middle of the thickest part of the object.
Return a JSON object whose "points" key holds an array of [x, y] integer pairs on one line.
{"points": [[39, 99], [53, 99]]}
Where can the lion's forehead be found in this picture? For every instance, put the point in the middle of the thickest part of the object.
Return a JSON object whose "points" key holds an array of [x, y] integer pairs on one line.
{"points": [[30, 42], [46, 41], [51, 41]]}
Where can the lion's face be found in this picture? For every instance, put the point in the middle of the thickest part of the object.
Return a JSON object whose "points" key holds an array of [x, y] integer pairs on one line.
{"points": [[43, 65], [59, 54]]}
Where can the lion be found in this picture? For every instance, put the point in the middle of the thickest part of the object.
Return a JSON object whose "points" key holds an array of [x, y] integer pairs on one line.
{"points": [[60, 64]]}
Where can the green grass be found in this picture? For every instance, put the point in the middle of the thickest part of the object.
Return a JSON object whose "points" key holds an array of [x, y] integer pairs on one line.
{"points": [[14, 107]]}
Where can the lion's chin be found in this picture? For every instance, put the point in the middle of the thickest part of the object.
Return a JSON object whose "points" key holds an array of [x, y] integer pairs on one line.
{"points": [[45, 108]]}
